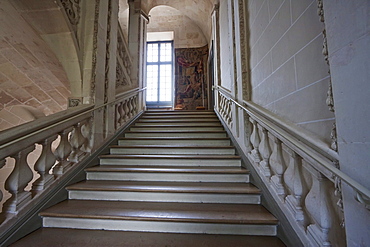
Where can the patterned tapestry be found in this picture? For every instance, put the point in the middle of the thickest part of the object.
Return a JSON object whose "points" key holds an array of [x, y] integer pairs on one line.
{"points": [[191, 78]]}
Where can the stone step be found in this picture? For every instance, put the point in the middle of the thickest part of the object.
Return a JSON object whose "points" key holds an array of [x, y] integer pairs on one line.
{"points": [[178, 123], [166, 113], [178, 120], [178, 134], [163, 149], [168, 173], [171, 141], [236, 219], [169, 127], [179, 116], [99, 238], [169, 160], [194, 192]]}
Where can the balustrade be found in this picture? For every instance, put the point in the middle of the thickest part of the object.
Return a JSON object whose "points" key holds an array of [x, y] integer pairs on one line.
{"points": [[298, 174], [71, 133]]}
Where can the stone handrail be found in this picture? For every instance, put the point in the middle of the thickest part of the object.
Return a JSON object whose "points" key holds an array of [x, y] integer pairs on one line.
{"points": [[300, 171], [58, 143]]}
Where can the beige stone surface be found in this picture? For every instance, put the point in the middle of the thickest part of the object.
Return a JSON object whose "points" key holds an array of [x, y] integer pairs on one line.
{"points": [[289, 75], [30, 73], [187, 33]]}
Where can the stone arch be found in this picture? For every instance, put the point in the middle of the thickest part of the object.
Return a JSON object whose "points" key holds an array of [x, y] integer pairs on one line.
{"points": [[56, 22]]}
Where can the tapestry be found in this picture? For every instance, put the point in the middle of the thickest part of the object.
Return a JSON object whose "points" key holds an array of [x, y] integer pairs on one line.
{"points": [[190, 78]]}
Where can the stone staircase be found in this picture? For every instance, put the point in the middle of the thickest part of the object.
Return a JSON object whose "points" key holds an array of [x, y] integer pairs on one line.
{"points": [[173, 180]]}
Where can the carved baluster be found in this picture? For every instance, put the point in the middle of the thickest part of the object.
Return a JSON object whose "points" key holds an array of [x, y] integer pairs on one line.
{"points": [[76, 141], [247, 132], [265, 152], [18, 180], [126, 109], [131, 107], [2, 164], [43, 165], [317, 206], [229, 113], [62, 152], [122, 113], [87, 133], [222, 103], [277, 165], [117, 116], [293, 180], [255, 140], [135, 105]]}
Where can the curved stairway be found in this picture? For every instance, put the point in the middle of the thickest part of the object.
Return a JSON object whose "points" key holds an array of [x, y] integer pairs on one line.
{"points": [[173, 180]]}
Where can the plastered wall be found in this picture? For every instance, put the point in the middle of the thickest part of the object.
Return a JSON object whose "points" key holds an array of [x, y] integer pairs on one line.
{"points": [[187, 33], [30, 74], [289, 75]]}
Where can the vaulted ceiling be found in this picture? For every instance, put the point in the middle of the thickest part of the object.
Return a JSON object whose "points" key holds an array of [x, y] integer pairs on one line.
{"points": [[199, 11]]}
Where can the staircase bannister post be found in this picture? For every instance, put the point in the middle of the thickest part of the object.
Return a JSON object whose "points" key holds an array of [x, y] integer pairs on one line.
{"points": [[2, 164], [316, 203], [76, 141], [18, 180], [255, 140], [117, 116], [43, 165], [126, 109], [293, 180], [87, 133], [277, 165], [62, 152], [265, 152]]}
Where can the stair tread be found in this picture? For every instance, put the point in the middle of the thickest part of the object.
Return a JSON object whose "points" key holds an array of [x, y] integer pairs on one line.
{"points": [[169, 156], [173, 147], [174, 187], [175, 138], [163, 211], [176, 131], [101, 238], [169, 169]]}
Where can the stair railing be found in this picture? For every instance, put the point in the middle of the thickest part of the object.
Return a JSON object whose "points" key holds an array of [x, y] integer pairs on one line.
{"points": [[35, 156], [300, 172]]}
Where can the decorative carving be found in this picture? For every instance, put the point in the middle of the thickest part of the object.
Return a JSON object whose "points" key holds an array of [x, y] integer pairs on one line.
{"points": [[95, 49], [73, 102], [325, 52], [72, 9]]}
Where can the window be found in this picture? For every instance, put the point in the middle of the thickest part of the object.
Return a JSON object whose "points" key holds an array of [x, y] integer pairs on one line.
{"points": [[159, 73]]}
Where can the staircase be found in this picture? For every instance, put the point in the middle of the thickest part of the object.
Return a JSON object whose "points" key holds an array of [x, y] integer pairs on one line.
{"points": [[173, 180]]}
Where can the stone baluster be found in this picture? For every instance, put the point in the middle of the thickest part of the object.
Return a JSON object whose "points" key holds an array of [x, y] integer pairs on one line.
{"points": [[18, 180], [131, 107], [2, 164], [43, 165], [255, 140], [317, 205], [222, 103], [135, 105], [62, 152], [265, 152], [76, 141], [229, 113], [117, 116], [126, 109], [277, 165], [87, 133], [121, 113], [293, 181]]}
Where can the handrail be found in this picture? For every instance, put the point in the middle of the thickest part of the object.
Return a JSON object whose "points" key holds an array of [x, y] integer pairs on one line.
{"points": [[299, 143], [16, 134]]}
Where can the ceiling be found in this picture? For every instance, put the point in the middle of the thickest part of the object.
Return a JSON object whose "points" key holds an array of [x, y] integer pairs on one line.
{"points": [[199, 11]]}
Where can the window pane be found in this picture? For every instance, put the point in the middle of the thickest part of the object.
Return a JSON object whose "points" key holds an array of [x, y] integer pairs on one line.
{"points": [[152, 83], [166, 52], [165, 82], [152, 55]]}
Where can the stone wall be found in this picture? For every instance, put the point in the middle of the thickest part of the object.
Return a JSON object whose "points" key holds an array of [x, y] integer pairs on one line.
{"points": [[289, 75], [30, 73], [187, 33]]}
